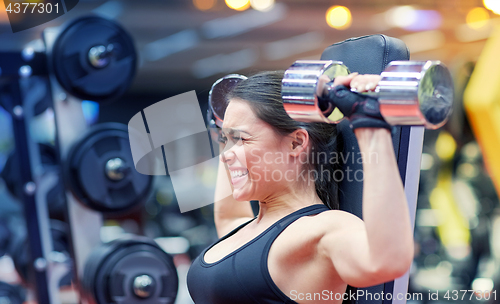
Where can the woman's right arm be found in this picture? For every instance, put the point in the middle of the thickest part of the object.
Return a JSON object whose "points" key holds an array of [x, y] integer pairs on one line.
{"points": [[228, 212]]}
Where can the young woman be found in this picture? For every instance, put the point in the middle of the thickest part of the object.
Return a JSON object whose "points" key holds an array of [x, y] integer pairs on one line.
{"points": [[300, 248]]}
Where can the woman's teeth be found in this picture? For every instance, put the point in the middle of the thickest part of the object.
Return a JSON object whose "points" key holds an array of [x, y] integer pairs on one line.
{"points": [[238, 173]]}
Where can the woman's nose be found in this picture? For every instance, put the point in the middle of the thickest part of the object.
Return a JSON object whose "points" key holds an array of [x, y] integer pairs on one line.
{"points": [[227, 156]]}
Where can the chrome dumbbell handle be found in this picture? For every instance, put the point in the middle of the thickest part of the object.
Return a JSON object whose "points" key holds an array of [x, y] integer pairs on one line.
{"points": [[299, 87]]}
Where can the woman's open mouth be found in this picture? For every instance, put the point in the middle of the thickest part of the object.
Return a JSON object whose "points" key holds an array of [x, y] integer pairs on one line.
{"points": [[238, 177]]}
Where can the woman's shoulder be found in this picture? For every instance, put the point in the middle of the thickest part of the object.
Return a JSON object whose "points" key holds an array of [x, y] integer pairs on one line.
{"points": [[311, 229], [331, 219]]}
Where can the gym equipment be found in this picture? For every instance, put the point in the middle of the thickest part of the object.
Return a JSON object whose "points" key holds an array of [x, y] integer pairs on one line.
{"points": [[5, 238], [409, 92], [11, 294], [133, 270], [55, 196], [94, 59], [20, 252], [217, 102], [90, 58], [370, 55], [100, 171]]}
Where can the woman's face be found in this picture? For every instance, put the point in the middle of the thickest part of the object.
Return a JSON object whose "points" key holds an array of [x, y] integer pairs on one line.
{"points": [[255, 155]]}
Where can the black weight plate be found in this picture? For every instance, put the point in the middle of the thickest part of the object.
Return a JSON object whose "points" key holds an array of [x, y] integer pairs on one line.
{"points": [[87, 175], [111, 268], [21, 256], [55, 196], [72, 67]]}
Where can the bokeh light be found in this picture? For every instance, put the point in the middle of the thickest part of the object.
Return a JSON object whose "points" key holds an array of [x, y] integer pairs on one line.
{"points": [[445, 146], [424, 20], [339, 17], [427, 161], [204, 5], [483, 284], [477, 18], [401, 16], [4, 18], [239, 5], [262, 5], [492, 5]]}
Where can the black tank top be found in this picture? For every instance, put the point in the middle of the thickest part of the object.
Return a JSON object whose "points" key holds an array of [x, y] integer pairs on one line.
{"points": [[242, 276]]}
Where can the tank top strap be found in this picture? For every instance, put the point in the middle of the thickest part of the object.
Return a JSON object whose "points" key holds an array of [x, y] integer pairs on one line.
{"points": [[232, 232], [284, 222], [289, 219]]}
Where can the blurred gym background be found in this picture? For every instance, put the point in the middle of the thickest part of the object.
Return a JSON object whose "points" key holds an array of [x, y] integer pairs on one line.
{"points": [[186, 45]]}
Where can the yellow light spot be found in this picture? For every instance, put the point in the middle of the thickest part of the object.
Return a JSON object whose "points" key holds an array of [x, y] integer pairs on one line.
{"points": [[492, 5], [204, 5], [453, 227], [239, 5], [339, 17], [445, 146], [4, 18], [477, 18], [262, 5]]}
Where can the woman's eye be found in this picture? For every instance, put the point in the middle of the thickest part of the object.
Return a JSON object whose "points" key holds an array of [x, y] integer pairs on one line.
{"points": [[223, 139]]}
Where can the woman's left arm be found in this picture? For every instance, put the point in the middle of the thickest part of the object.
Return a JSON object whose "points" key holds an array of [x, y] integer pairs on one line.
{"points": [[379, 248]]}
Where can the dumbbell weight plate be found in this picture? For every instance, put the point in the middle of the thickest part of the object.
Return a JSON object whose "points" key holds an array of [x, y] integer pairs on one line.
{"points": [[416, 93], [134, 270], [21, 256], [54, 198], [101, 173], [217, 102], [94, 59], [299, 90]]}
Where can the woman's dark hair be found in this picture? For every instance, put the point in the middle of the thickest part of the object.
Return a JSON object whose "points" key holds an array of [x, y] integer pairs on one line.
{"points": [[263, 93]]}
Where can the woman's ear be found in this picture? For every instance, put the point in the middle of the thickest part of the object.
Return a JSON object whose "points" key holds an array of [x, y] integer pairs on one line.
{"points": [[299, 140]]}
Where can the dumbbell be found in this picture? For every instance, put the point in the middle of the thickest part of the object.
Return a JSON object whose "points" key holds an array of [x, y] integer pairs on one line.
{"points": [[417, 93]]}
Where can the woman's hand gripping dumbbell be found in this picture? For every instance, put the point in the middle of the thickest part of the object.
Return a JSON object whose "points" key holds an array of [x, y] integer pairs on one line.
{"points": [[345, 93]]}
